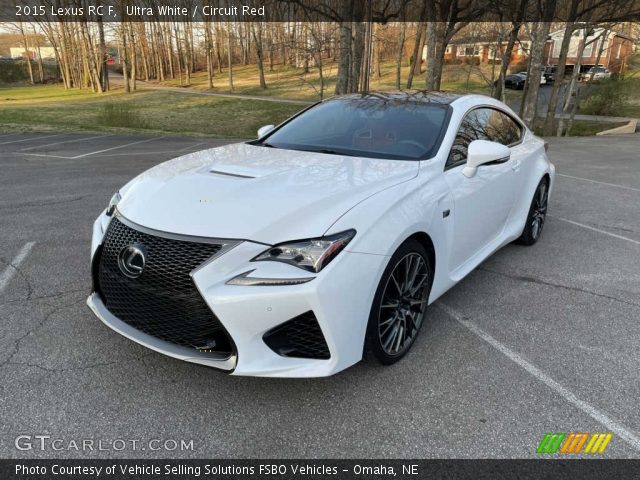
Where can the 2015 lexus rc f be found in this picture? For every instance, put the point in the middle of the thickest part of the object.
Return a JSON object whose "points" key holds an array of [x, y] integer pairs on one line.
{"points": [[325, 238]]}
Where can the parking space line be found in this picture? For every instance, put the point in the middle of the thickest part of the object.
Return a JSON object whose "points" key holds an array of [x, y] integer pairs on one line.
{"points": [[597, 181], [139, 153], [60, 143], [44, 155], [191, 146], [116, 147], [534, 371], [588, 227], [29, 139], [12, 268]]}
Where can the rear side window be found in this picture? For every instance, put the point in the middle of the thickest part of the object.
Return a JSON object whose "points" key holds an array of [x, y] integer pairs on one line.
{"points": [[483, 124]]}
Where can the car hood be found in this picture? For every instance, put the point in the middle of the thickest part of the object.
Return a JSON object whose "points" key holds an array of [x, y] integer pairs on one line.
{"points": [[256, 193]]}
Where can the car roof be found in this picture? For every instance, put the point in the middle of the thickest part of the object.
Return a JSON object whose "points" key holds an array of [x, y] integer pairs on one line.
{"points": [[424, 96]]}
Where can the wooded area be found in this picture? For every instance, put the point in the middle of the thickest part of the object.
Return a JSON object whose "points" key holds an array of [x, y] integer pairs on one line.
{"points": [[355, 36]]}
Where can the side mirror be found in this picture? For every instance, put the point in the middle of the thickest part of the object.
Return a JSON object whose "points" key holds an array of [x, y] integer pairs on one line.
{"points": [[262, 131], [481, 152]]}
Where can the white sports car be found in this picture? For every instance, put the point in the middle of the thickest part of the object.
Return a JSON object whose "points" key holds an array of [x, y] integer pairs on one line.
{"points": [[325, 238]]}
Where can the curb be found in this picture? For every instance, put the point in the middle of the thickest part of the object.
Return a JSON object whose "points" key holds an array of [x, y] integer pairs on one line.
{"points": [[624, 129]]}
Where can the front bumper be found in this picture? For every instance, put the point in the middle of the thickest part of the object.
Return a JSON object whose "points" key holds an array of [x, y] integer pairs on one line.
{"points": [[181, 353], [340, 297]]}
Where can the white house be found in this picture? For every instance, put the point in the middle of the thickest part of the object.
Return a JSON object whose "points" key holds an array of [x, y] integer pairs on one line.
{"points": [[21, 52]]}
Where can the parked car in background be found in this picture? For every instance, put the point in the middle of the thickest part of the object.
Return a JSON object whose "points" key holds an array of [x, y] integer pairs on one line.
{"points": [[595, 74], [549, 73], [543, 79], [515, 82]]}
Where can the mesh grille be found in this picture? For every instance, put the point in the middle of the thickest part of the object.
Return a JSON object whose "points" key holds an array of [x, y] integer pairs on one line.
{"points": [[163, 301], [299, 337]]}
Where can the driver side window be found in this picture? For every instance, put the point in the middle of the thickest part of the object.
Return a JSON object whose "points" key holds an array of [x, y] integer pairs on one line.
{"points": [[473, 127], [482, 124]]}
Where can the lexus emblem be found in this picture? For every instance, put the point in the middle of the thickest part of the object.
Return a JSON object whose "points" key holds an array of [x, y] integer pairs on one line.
{"points": [[131, 260]]}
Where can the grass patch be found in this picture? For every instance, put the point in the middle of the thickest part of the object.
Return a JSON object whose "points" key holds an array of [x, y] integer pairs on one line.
{"points": [[288, 82], [122, 115], [616, 97], [581, 128], [51, 108]]}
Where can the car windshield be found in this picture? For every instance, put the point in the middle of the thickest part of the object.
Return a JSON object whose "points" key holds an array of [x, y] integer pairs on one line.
{"points": [[365, 127]]}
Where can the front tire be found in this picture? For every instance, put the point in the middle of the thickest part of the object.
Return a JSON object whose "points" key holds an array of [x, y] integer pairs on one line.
{"points": [[537, 215], [400, 302]]}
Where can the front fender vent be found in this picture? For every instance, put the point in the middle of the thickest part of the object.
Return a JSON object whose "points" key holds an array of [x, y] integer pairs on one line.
{"points": [[300, 337]]}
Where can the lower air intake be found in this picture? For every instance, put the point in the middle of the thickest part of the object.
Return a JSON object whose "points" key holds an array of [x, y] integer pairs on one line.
{"points": [[299, 337]]}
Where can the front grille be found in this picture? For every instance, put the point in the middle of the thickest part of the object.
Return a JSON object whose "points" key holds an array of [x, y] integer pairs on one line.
{"points": [[163, 301], [299, 337]]}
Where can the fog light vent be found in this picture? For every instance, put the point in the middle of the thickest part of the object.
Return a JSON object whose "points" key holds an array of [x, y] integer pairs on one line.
{"points": [[299, 337]]}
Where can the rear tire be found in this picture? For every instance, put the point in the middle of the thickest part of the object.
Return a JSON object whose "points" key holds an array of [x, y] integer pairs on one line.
{"points": [[537, 215], [400, 303]]}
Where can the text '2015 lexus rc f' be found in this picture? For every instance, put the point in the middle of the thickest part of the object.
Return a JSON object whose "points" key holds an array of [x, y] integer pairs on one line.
{"points": [[325, 238]]}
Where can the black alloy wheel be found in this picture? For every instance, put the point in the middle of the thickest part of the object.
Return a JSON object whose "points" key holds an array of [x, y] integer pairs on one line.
{"points": [[537, 214], [400, 303]]}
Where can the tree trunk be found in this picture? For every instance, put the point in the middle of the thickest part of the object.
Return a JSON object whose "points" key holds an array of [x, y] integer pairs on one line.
{"points": [[378, 53], [25, 42], [271, 55], [40, 65], [218, 49], [399, 52], [415, 56], [124, 57], [529, 105], [188, 57], [506, 60], [209, 53], [574, 108], [344, 59], [357, 55], [367, 51], [169, 41], [229, 56], [257, 39], [572, 84], [605, 36], [444, 36], [549, 120], [104, 72], [134, 59], [431, 56]]}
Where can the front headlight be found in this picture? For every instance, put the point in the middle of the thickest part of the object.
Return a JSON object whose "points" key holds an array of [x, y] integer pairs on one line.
{"points": [[113, 203], [312, 255]]}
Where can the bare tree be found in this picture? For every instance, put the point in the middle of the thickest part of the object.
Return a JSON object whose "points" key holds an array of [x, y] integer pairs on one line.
{"points": [[577, 10], [400, 49], [516, 11], [418, 44], [27, 51], [544, 15], [256, 30]]}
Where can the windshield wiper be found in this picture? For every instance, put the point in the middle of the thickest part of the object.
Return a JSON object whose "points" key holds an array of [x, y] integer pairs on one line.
{"points": [[267, 144], [328, 151]]}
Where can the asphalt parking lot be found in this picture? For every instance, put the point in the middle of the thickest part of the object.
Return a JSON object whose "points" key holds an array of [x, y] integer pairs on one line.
{"points": [[536, 340]]}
